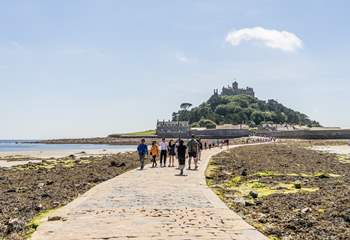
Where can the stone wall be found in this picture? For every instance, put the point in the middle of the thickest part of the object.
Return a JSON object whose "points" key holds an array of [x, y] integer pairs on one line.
{"points": [[308, 134], [172, 129], [221, 133]]}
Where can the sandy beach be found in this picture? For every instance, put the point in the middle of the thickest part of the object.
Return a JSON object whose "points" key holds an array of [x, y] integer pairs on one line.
{"points": [[58, 153], [342, 149]]}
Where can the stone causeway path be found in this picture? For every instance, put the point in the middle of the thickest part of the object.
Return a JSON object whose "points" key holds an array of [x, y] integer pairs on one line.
{"points": [[149, 204]]}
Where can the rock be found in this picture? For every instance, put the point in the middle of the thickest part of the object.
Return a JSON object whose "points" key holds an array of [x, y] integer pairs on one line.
{"points": [[11, 190], [54, 218], [39, 207], [45, 195], [15, 225], [3, 178], [56, 204], [49, 182], [244, 172], [297, 185], [306, 210], [115, 164], [240, 201], [346, 215], [323, 175], [249, 203], [253, 194], [41, 185]]}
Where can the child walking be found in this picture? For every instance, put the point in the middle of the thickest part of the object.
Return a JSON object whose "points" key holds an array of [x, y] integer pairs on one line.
{"points": [[154, 152]]}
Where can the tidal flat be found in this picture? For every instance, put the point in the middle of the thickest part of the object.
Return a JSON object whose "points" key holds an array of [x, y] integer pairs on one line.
{"points": [[286, 190], [29, 190]]}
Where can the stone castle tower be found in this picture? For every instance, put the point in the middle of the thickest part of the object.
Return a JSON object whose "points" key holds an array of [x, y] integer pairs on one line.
{"points": [[235, 90]]}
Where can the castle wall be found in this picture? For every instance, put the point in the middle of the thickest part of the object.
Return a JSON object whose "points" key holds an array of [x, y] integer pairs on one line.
{"points": [[221, 133], [308, 134]]}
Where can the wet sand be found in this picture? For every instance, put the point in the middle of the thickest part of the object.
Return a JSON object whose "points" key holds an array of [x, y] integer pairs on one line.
{"points": [[342, 149], [58, 153], [11, 159]]}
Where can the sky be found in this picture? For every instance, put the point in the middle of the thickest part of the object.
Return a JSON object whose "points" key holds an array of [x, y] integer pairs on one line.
{"points": [[89, 68]]}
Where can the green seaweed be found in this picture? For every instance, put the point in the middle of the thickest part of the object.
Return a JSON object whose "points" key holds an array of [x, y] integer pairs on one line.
{"points": [[36, 221], [265, 190]]}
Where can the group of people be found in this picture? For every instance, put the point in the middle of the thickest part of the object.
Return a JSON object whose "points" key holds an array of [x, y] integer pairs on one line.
{"points": [[169, 150]]}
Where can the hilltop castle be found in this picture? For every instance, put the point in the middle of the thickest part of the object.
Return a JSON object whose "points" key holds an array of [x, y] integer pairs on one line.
{"points": [[234, 90]]}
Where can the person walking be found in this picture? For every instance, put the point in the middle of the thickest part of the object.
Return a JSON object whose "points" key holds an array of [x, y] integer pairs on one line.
{"points": [[142, 150], [154, 152], [192, 147], [181, 156], [172, 153], [163, 152], [200, 148]]}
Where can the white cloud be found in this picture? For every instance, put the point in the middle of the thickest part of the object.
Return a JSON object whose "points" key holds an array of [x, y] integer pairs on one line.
{"points": [[182, 58], [283, 40]]}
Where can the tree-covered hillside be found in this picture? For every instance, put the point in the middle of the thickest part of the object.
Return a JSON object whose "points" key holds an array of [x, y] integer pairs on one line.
{"points": [[238, 109]]}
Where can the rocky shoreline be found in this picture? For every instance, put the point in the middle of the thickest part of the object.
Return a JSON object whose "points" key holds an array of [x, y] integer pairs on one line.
{"points": [[29, 190], [97, 140], [286, 190]]}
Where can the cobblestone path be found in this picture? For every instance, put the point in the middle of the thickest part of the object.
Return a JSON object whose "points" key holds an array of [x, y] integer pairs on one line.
{"points": [[149, 204]]}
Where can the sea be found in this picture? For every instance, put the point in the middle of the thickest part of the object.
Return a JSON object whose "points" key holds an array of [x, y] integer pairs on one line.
{"points": [[28, 145]]}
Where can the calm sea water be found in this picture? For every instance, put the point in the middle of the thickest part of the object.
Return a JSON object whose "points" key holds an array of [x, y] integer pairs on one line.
{"points": [[21, 145]]}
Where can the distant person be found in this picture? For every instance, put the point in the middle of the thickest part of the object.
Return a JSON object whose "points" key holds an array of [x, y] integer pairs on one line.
{"points": [[142, 149], [205, 145], [200, 148], [172, 153], [193, 148], [154, 152], [181, 156], [163, 152]]}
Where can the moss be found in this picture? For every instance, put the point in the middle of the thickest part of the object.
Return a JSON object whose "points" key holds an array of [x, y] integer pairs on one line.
{"points": [[35, 222], [274, 238], [267, 174], [264, 190], [258, 226], [305, 175], [343, 158], [68, 163], [325, 175], [209, 182], [210, 171], [321, 210], [233, 182]]}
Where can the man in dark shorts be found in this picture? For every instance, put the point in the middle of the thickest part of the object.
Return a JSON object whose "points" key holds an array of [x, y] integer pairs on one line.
{"points": [[193, 148], [142, 149], [181, 156]]}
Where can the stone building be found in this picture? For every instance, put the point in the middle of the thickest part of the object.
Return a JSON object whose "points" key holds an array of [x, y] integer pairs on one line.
{"points": [[173, 129], [235, 90]]}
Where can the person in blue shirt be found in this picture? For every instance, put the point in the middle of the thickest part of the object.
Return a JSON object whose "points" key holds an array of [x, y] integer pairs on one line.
{"points": [[142, 149]]}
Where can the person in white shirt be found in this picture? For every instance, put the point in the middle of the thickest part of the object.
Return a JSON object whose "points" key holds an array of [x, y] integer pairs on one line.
{"points": [[163, 152]]}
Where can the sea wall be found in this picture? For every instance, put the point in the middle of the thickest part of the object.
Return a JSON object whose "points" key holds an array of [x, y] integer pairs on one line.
{"points": [[308, 134], [221, 133]]}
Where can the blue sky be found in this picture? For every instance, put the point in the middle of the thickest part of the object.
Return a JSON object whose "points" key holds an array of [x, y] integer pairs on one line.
{"points": [[93, 67]]}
